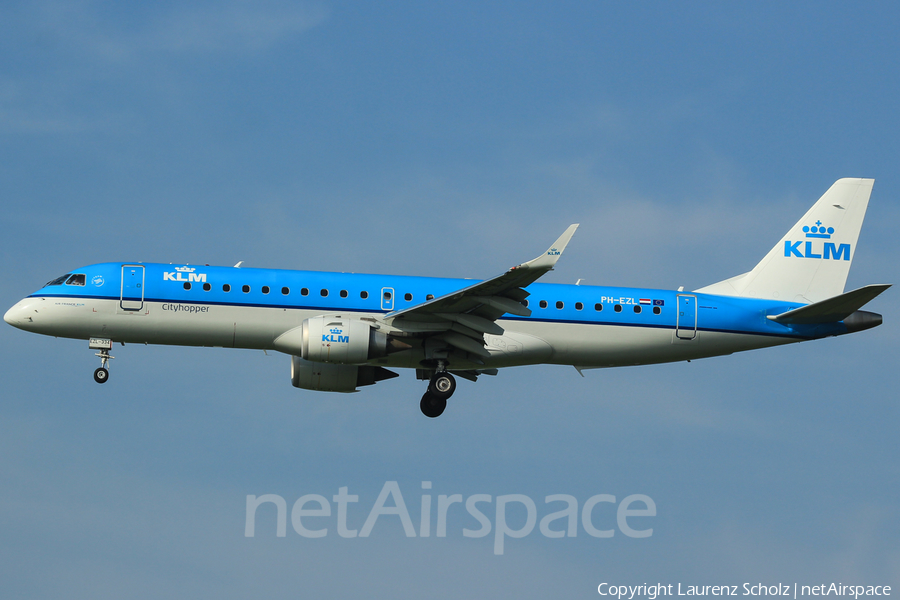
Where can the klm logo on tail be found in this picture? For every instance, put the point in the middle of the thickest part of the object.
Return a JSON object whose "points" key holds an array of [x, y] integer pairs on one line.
{"points": [[811, 249]]}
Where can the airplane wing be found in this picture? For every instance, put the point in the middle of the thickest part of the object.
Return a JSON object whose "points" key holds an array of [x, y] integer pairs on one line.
{"points": [[461, 318]]}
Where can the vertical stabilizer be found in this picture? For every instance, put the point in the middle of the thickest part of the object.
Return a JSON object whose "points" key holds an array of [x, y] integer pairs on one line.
{"points": [[812, 261]]}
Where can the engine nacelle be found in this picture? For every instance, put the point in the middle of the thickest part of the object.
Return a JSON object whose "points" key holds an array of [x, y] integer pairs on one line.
{"points": [[326, 377], [341, 341], [336, 340]]}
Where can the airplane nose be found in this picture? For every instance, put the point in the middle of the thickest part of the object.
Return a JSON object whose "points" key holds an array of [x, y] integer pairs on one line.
{"points": [[15, 316]]}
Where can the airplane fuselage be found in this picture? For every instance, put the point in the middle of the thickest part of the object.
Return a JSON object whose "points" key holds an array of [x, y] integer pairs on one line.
{"points": [[580, 325]]}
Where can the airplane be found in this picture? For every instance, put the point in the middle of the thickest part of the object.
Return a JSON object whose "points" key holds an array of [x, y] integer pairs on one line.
{"points": [[344, 331]]}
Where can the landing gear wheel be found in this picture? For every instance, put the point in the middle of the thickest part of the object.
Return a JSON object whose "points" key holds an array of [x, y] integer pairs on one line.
{"points": [[442, 385], [104, 346], [101, 375], [432, 406]]}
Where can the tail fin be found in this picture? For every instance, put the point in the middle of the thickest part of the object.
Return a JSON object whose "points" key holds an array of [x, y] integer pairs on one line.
{"points": [[812, 261]]}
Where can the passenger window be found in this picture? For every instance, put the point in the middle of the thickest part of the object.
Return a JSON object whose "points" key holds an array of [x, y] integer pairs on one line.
{"points": [[617, 308], [364, 294], [559, 304], [407, 297], [285, 291], [246, 289], [304, 292], [637, 309], [525, 303], [324, 293], [429, 297], [77, 279], [206, 287], [265, 289], [343, 293], [598, 307], [187, 285], [226, 287], [579, 306], [543, 304], [387, 295], [656, 310]]}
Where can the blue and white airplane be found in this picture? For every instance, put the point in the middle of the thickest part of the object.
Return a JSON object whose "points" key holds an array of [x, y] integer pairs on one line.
{"points": [[344, 331]]}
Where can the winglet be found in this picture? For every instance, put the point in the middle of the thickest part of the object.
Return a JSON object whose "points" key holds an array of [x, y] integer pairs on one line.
{"points": [[549, 258]]}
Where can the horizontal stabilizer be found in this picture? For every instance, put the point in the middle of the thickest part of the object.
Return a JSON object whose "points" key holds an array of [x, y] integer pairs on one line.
{"points": [[832, 310]]}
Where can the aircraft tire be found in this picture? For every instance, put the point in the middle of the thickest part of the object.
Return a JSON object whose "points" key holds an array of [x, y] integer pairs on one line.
{"points": [[442, 385], [101, 375], [432, 406]]}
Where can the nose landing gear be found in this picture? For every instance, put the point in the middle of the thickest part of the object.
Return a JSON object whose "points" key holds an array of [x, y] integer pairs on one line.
{"points": [[101, 375]]}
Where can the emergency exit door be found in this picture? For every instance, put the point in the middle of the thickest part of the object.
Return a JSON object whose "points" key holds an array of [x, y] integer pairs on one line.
{"points": [[132, 292], [686, 319]]}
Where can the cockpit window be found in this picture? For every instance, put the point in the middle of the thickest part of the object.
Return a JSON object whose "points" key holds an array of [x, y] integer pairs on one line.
{"points": [[76, 279], [58, 280]]}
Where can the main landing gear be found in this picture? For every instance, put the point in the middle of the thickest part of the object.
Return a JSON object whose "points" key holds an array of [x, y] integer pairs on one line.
{"points": [[101, 375], [440, 388]]}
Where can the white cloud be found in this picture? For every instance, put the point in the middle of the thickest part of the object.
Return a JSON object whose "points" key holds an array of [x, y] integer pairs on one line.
{"points": [[234, 26], [237, 25]]}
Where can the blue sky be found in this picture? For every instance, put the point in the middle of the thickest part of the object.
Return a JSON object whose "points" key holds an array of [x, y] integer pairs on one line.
{"points": [[450, 139]]}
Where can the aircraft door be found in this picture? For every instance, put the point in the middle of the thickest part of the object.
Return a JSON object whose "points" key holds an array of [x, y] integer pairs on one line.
{"points": [[132, 291], [387, 298], [686, 318]]}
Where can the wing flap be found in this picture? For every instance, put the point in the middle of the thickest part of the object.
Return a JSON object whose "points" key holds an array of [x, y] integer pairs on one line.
{"points": [[473, 322], [504, 304], [464, 342], [475, 335]]}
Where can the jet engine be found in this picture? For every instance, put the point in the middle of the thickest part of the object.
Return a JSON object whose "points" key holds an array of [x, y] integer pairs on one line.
{"points": [[337, 340], [341, 341], [325, 377]]}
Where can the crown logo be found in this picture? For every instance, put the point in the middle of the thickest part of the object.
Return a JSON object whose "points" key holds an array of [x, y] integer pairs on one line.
{"points": [[818, 231], [337, 331], [185, 269]]}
